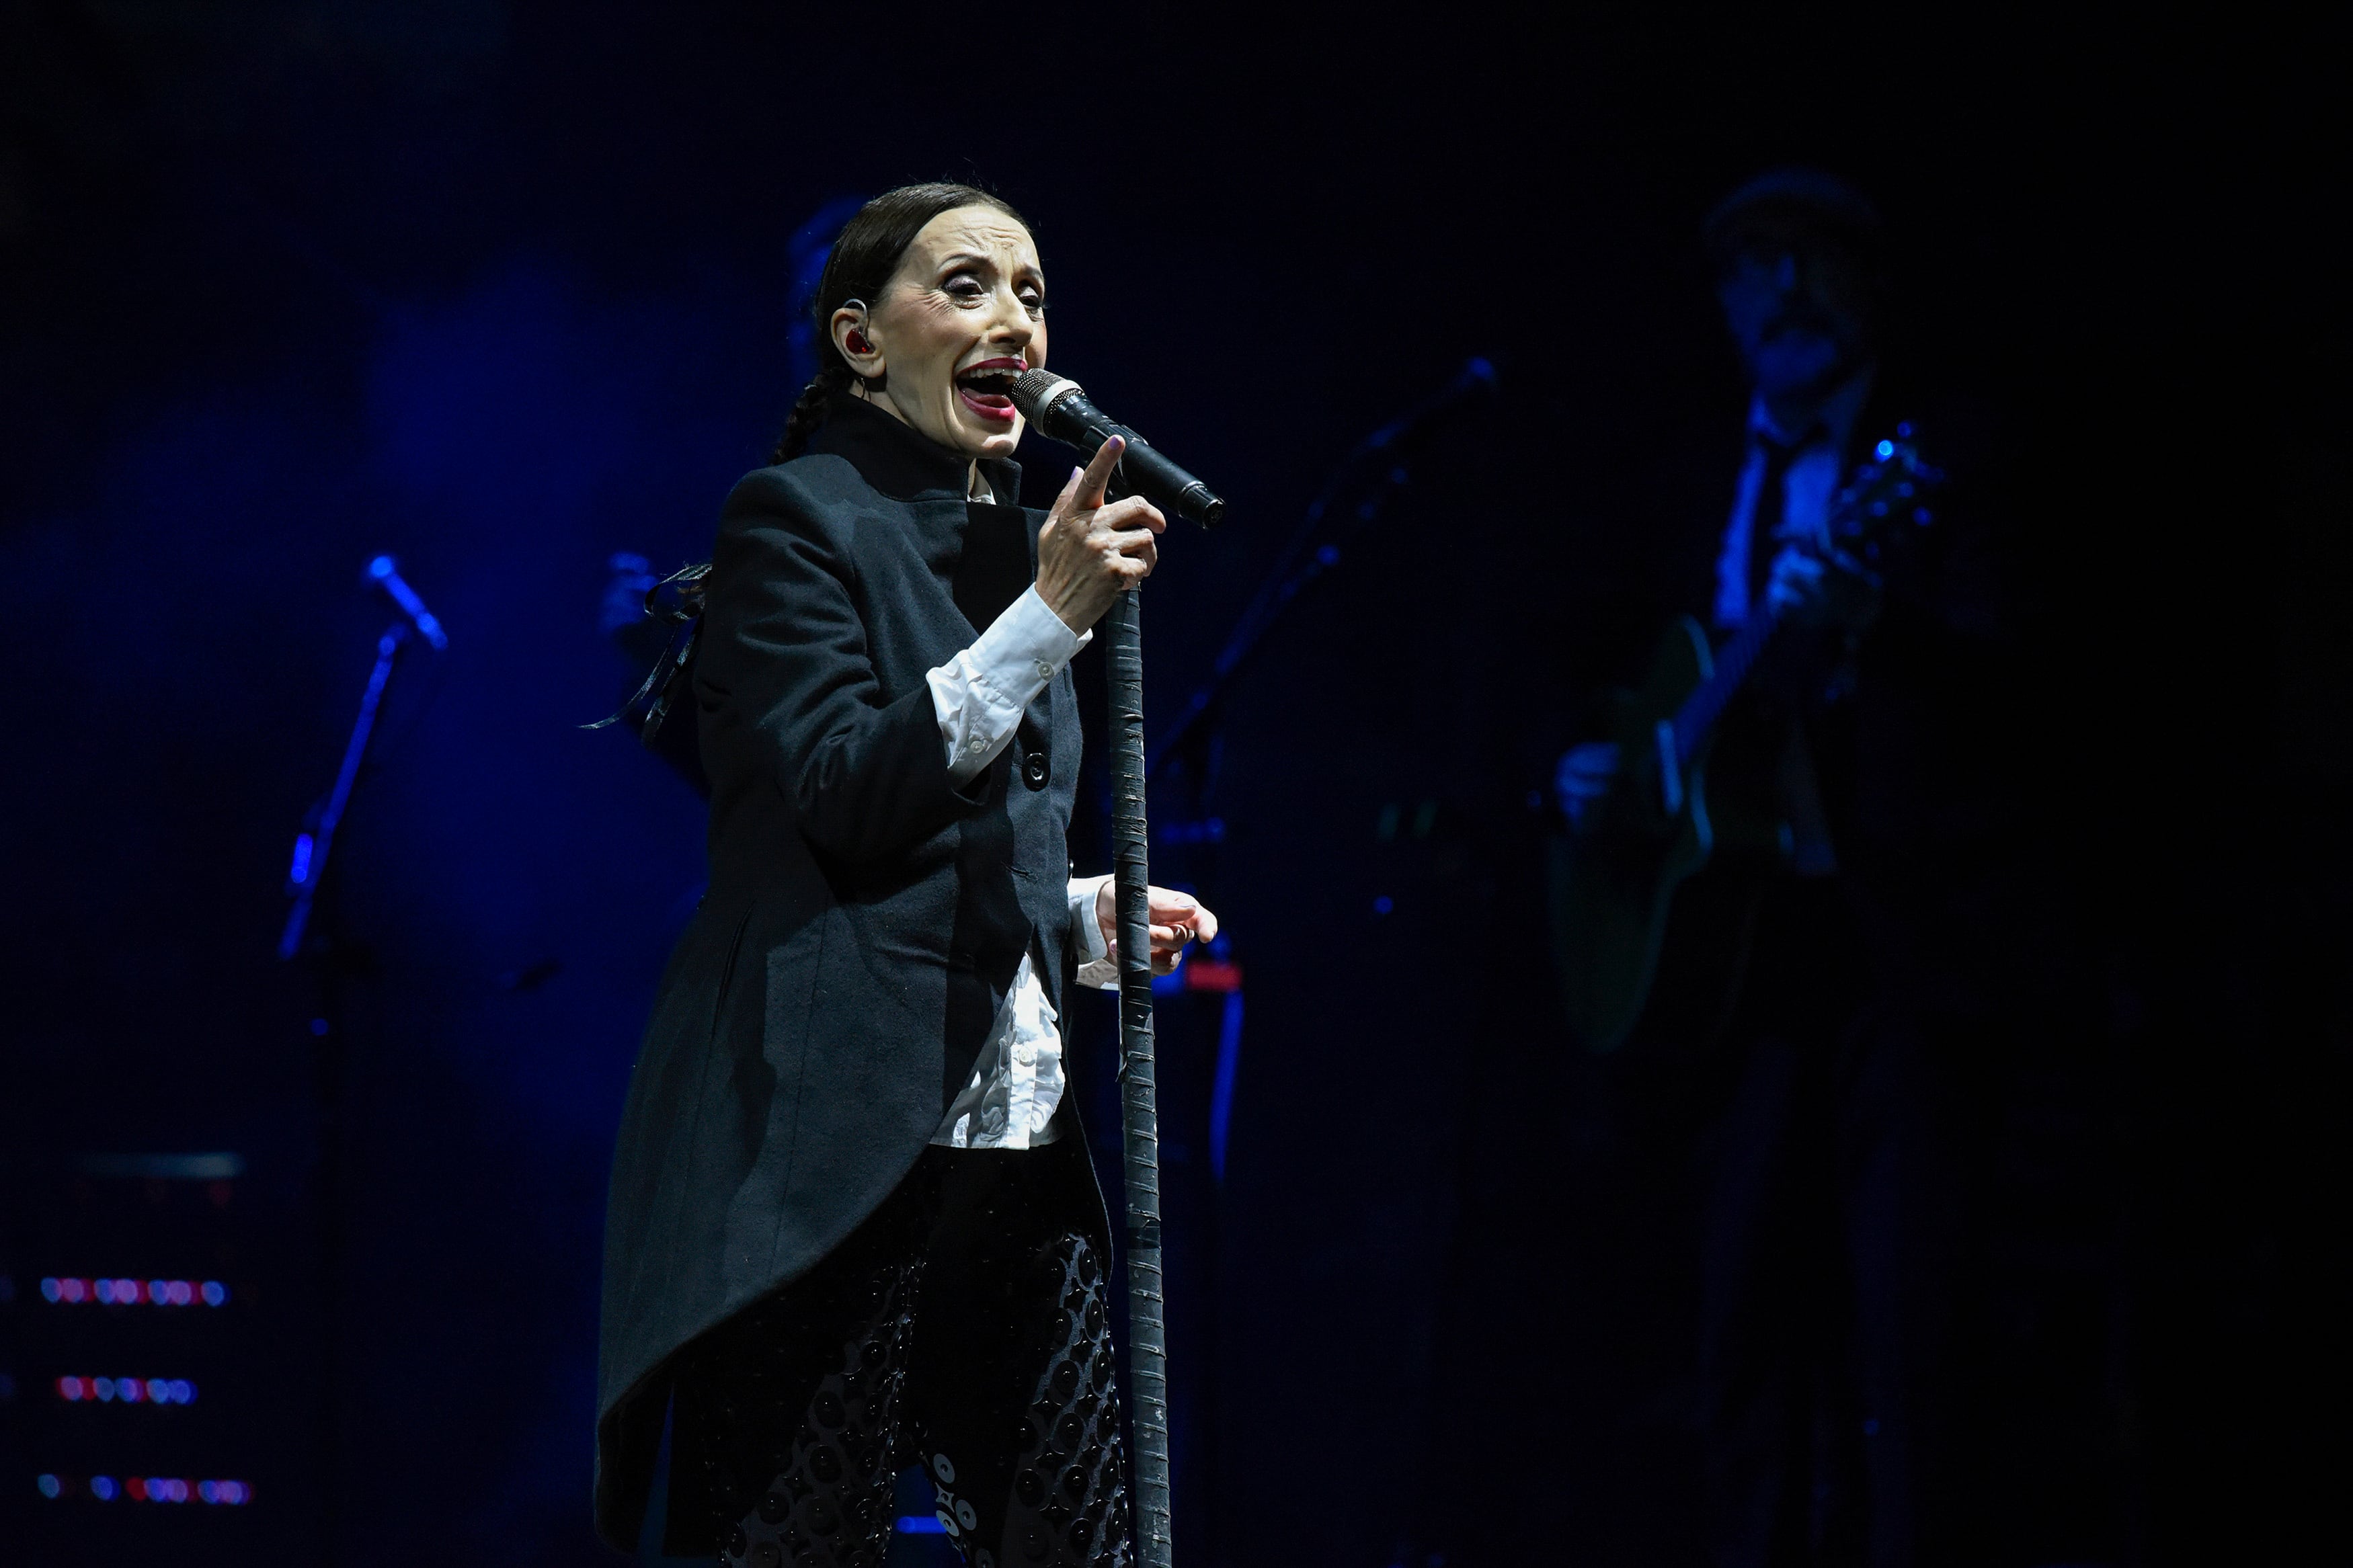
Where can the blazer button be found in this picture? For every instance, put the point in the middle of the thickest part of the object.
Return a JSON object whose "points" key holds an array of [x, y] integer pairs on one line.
{"points": [[1034, 771]]}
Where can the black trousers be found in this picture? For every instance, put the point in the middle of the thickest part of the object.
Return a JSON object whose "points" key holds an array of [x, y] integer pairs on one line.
{"points": [[1787, 1245], [964, 1327]]}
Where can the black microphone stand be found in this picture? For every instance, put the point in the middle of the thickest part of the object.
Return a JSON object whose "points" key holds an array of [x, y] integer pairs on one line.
{"points": [[1391, 446], [312, 845], [1139, 1093], [301, 938], [1148, 1339]]}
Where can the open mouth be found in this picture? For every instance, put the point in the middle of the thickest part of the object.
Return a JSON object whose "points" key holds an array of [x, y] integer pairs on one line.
{"points": [[986, 388]]}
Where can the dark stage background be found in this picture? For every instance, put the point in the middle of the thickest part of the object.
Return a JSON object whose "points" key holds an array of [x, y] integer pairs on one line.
{"points": [[502, 289]]}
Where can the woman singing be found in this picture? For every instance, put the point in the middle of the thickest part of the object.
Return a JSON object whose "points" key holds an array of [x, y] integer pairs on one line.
{"points": [[852, 1224]]}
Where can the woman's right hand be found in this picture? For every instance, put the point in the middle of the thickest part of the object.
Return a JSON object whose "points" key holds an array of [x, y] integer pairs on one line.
{"points": [[1089, 551]]}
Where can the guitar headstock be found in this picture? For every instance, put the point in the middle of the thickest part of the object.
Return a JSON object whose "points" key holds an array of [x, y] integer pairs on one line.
{"points": [[1890, 487]]}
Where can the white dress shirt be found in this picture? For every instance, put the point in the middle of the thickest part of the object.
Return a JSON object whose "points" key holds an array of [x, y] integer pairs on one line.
{"points": [[1811, 486], [1809, 492], [979, 695]]}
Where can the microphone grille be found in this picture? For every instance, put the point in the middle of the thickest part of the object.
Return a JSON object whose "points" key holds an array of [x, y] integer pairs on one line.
{"points": [[1034, 391]]}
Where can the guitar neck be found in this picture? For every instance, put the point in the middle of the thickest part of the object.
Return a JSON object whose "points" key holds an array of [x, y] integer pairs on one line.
{"points": [[1733, 664], [1888, 486]]}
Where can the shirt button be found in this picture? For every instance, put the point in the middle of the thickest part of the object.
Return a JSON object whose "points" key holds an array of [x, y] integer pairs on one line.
{"points": [[978, 744], [1025, 1055], [1045, 670]]}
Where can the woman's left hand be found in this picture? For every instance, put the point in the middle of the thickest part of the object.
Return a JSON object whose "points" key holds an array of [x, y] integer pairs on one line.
{"points": [[1176, 919]]}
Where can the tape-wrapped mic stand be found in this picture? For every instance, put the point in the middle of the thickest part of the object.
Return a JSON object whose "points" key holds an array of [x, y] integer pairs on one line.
{"points": [[1040, 397], [1147, 1333]]}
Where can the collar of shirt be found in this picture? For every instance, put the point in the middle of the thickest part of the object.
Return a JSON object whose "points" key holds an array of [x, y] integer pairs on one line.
{"points": [[1813, 477], [1836, 416]]}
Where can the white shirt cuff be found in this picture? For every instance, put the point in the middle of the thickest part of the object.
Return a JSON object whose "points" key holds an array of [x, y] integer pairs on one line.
{"points": [[979, 695], [1096, 967], [1029, 637]]}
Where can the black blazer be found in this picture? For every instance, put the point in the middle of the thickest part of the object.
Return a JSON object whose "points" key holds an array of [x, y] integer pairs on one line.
{"points": [[865, 916]]}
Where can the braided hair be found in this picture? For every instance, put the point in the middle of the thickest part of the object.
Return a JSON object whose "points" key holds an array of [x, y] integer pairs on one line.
{"points": [[861, 266]]}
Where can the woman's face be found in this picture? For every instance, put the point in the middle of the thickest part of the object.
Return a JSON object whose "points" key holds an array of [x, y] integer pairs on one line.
{"points": [[963, 316]]}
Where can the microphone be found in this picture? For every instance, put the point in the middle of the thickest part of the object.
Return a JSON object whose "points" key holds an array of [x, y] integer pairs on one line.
{"points": [[1062, 411], [387, 576]]}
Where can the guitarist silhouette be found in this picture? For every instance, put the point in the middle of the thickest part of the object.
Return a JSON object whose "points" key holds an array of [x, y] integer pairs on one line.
{"points": [[1711, 889]]}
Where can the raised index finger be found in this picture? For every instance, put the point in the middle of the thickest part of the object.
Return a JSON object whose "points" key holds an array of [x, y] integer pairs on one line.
{"points": [[1098, 473]]}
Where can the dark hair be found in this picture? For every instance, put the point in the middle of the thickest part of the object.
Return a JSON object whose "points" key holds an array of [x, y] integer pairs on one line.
{"points": [[859, 266]]}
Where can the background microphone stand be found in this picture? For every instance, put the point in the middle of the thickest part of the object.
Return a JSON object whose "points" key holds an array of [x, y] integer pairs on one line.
{"points": [[1130, 769], [1390, 446], [301, 938]]}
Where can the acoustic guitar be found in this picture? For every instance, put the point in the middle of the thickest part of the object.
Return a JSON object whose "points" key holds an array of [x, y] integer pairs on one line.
{"points": [[1614, 881]]}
